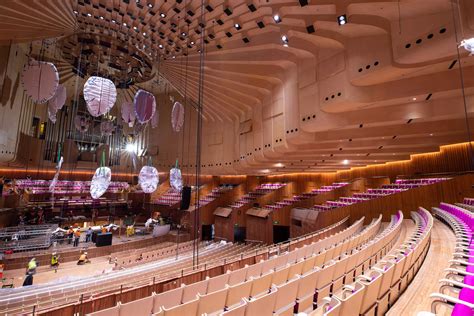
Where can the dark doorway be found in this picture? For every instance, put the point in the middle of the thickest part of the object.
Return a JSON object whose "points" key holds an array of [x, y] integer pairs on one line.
{"points": [[280, 233], [206, 232], [239, 234]]}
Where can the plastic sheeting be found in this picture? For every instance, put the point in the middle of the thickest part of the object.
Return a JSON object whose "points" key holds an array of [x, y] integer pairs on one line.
{"points": [[100, 182], [52, 185], [40, 80], [128, 113], [100, 95], [177, 117], [148, 179], [145, 106], [176, 180]]}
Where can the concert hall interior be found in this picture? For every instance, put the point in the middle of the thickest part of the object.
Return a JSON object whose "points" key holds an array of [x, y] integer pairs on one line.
{"points": [[236, 157]]}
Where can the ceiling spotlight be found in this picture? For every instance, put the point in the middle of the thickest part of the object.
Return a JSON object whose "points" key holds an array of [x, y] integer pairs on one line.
{"points": [[345, 162], [135, 28], [173, 57], [150, 5], [277, 18], [124, 24], [237, 26], [144, 34], [101, 17], [414, 99], [431, 134], [163, 15], [192, 43], [342, 19], [284, 39], [113, 21], [89, 15], [160, 46], [75, 12], [265, 170], [279, 165]]}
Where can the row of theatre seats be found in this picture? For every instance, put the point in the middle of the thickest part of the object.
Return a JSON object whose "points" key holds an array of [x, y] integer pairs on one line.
{"points": [[456, 290], [356, 271], [53, 297]]}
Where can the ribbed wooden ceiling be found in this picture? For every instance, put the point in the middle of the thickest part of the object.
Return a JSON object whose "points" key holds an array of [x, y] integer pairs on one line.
{"points": [[302, 93]]}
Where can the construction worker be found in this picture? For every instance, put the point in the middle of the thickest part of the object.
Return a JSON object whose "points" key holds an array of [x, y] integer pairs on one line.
{"points": [[89, 235], [31, 269], [55, 261], [77, 236], [70, 234], [83, 259]]}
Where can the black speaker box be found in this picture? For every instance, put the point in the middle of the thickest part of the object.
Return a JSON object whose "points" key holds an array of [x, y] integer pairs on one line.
{"points": [[103, 240], [185, 197]]}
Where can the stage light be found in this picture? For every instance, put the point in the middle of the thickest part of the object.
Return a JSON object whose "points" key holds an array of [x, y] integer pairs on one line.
{"points": [[150, 5], [284, 39], [144, 34], [101, 17], [113, 21], [130, 147], [192, 43], [160, 46], [135, 28], [183, 34], [75, 12], [237, 26], [124, 24], [342, 19], [345, 162], [163, 15], [277, 18], [89, 15]]}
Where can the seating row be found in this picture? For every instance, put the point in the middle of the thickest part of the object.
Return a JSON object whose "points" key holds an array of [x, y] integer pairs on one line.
{"points": [[274, 281], [378, 288], [456, 290]]}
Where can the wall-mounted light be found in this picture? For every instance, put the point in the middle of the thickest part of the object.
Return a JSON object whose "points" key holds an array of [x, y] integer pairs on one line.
{"points": [[237, 26], [276, 18], [342, 19]]}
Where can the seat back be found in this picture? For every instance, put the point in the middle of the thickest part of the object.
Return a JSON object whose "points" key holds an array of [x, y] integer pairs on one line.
{"points": [[236, 292], [142, 306], [286, 296], [189, 308], [212, 302], [192, 290], [280, 276], [254, 271], [371, 290], [308, 264], [237, 276], [167, 299], [326, 274], [330, 306], [263, 305], [238, 310], [261, 285], [217, 283], [351, 301], [295, 269]]}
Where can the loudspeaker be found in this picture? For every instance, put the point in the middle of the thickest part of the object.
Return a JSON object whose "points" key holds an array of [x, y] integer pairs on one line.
{"points": [[303, 3], [103, 240], [185, 197]]}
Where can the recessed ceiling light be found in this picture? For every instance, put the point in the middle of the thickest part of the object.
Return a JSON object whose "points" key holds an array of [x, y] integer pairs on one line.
{"points": [[101, 17], [192, 43], [150, 5], [160, 46], [113, 21], [183, 34], [124, 24], [75, 12], [431, 134], [163, 15], [237, 26], [284, 38], [144, 34], [277, 18], [89, 15], [345, 162], [135, 28], [414, 99]]}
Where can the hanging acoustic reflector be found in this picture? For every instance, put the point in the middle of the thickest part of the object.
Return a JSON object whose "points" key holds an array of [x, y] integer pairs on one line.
{"points": [[40, 80], [128, 113], [100, 182], [107, 128], [56, 102], [148, 179], [82, 123], [145, 106], [100, 95], [176, 180], [177, 116]]}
